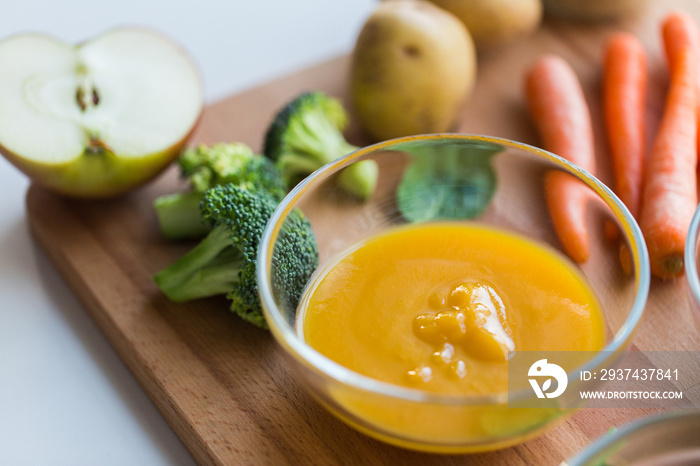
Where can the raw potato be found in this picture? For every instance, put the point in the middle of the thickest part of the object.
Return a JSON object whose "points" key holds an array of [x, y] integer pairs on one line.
{"points": [[593, 10], [496, 22], [412, 68]]}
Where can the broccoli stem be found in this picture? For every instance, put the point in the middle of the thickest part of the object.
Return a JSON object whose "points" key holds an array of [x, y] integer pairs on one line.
{"points": [[209, 269], [360, 178], [296, 167], [178, 215]]}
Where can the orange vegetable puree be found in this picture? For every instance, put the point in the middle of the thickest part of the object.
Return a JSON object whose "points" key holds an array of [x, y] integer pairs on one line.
{"points": [[442, 307]]}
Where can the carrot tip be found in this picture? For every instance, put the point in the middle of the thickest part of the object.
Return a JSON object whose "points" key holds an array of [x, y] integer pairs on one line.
{"points": [[626, 259], [672, 265]]}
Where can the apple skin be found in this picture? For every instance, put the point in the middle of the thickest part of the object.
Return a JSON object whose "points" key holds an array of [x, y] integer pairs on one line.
{"points": [[98, 176]]}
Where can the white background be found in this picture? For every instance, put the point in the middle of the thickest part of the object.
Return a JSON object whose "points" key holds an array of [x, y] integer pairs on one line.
{"points": [[65, 396]]}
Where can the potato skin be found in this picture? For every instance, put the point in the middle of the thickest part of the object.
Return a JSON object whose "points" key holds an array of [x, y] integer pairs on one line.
{"points": [[413, 66], [593, 10], [493, 23]]}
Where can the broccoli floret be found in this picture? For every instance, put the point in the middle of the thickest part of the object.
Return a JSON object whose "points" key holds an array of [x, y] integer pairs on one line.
{"points": [[224, 261], [205, 167], [307, 134]]}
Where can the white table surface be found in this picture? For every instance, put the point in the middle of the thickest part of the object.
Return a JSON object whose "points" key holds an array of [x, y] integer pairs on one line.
{"points": [[65, 396]]}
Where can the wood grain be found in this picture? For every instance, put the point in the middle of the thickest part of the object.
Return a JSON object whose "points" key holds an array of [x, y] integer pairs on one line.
{"points": [[222, 384]]}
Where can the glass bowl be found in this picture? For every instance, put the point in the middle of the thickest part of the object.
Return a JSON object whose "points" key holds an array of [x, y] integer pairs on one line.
{"points": [[414, 418], [690, 262], [669, 439]]}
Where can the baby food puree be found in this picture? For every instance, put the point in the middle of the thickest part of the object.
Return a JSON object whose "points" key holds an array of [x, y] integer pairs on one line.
{"points": [[443, 306]]}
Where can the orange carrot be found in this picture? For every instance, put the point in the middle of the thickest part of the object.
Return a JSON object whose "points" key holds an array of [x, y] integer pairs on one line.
{"points": [[563, 120], [624, 102], [669, 198], [680, 30]]}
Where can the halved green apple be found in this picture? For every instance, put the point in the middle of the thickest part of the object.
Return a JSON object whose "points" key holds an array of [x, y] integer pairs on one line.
{"points": [[100, 118]]}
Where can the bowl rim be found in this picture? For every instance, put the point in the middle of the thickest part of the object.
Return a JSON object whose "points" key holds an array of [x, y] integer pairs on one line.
{"points": [[606, 440], [302, 352], [689, 256]]}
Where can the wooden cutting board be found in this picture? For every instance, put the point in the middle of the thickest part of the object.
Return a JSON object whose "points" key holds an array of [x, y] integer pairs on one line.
{"points": [[221, 383]]}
